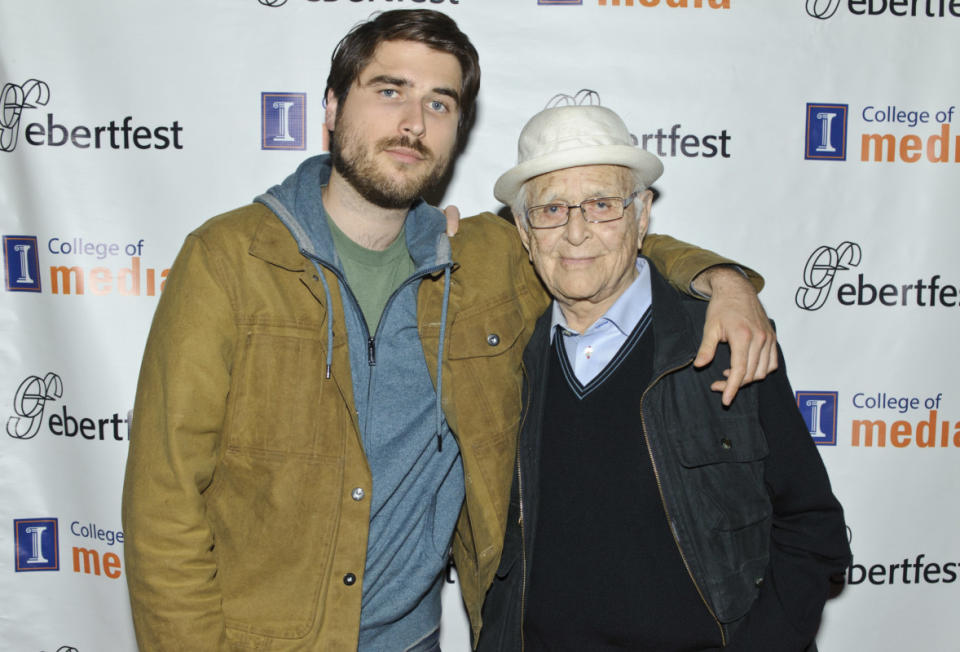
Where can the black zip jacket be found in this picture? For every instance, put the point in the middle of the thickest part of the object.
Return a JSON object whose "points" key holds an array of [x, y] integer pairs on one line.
{"points": [[744, 490]]}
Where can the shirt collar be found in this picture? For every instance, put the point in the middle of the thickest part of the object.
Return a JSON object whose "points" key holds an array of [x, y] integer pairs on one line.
{"points": [[624, 314]]}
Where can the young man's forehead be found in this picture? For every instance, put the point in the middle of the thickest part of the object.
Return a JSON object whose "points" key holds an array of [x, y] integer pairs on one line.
{"points": [[408, 60]]}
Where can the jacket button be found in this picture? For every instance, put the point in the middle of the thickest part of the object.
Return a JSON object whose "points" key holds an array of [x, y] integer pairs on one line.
{"points": [[358, 493], [349, 579], [493, 339], [758, 581], [726, 444]]}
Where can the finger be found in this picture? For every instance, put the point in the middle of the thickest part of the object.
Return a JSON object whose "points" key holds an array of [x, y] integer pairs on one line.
{"points": [[738, 366], [708, 348], [718, 385], [452, 213], [773, 359], [755, 353]]}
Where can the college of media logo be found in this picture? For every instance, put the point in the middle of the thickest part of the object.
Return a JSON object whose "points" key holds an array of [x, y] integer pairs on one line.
{"points": [[670, 4], [559, 2], [819, 411], [825, 262], [13, 100], [37, 544], [824, 9], [29, 404], [37, 547], [22, 267], [882, 139], [826, 132], [283, 121], [21, 263]]}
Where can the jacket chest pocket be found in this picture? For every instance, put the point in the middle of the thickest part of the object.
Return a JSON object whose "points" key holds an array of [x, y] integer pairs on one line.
{"points": [[484, 351], [724, 460], [280, 402]]}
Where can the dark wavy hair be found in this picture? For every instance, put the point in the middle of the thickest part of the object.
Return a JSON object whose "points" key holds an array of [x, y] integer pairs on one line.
{"points": [[432, 28]]}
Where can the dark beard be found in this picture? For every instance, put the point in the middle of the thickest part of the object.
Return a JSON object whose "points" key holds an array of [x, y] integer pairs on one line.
{"points": [[360, 172]]}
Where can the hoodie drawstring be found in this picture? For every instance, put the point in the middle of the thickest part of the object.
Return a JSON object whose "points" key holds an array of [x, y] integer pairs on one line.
{"points": [[326, 292], [443, 330]]}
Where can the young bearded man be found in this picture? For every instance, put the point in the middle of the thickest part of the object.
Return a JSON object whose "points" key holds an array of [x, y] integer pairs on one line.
{"points": [[330, 393]]}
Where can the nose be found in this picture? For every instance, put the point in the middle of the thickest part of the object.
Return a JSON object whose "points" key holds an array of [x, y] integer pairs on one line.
{"points": [[412, 122], [576, 230]]}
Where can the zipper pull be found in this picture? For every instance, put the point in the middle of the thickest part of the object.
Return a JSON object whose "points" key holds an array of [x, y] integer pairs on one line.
{"points": [[372, 352]]}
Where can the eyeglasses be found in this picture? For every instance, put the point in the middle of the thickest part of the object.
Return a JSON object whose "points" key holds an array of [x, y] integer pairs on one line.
{"points": [[595, 211]]}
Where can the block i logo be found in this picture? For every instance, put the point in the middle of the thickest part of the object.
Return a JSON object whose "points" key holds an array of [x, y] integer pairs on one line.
{"points": [[37, 544], [21, 263], [826, 133], [819, 411], [283, 121]]}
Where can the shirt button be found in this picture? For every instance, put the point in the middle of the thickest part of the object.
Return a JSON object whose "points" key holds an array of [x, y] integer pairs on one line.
{"points": [[493, 339], [726, 444], [349, 579], [358, 493]]}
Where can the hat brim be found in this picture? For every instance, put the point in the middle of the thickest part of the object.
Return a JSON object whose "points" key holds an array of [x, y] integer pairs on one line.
{"points": [[646, 164]]}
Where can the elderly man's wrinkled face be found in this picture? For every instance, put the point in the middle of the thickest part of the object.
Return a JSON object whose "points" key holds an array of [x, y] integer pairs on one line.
{"points": [[586, 267]]}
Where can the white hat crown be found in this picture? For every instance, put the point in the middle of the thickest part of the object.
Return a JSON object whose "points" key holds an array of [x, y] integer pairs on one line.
{"points": [[561, 137]]}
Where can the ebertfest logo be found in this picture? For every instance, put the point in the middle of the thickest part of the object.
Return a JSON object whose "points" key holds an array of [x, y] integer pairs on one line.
{"points": [[824, 9], [825, 262], [31, 400], [915, 569], [13, 100], [122, 134]]}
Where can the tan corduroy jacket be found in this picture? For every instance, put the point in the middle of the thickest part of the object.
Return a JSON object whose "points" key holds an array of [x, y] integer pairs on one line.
{"points": [[243, 527]]}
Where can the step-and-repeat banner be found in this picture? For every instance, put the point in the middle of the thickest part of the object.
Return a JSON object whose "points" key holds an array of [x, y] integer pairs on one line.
{"points": [[814, 140]]}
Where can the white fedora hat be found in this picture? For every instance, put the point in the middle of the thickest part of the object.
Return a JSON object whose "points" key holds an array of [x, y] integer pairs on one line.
{"points": [[567, 136]]}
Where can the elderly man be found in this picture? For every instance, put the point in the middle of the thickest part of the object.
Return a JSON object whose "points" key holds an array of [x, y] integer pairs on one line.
{"points": [[644, 515]]}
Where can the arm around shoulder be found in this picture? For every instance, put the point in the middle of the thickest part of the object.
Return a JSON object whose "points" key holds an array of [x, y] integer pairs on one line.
{"points": [[681, 263]]}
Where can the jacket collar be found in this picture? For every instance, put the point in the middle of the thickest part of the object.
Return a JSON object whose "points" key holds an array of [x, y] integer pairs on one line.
{"points": [[298, 204], [676, 336]]}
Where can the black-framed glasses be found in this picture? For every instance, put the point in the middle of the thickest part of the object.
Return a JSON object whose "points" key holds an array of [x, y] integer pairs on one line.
{"points": [[595, 211]]}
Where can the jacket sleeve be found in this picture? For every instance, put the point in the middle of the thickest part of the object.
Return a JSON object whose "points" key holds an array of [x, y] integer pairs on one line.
{"points": [[174, 443], [808, 542], [680, 262]]}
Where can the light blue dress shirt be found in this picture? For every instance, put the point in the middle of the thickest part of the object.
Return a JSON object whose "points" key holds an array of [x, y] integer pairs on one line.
{"points": [[591, 351]]}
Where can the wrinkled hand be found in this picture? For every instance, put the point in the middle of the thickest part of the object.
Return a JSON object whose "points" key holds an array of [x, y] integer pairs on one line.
{"points": [[453, 219], [735, 316]]}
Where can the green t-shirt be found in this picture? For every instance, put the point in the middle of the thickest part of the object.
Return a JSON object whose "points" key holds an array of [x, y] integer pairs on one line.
{"points": [[372, 275]]}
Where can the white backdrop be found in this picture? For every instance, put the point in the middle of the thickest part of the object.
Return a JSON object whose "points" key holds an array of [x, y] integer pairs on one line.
{"points": [[814, 140]]}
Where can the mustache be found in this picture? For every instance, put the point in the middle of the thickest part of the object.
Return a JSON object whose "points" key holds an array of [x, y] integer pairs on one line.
{"points": [[408, 143]]}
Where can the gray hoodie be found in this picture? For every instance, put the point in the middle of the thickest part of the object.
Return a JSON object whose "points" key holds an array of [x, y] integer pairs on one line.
{"points": [[414, 459]]}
